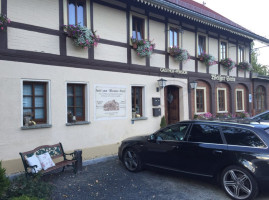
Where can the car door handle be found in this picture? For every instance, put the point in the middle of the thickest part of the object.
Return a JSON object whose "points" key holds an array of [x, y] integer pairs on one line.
{"points": [[217, 152]]}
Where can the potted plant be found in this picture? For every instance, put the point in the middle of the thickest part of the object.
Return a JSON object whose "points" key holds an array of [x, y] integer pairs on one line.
{"points": [[208, 59], [179, 54], [3, 21], [143, 48], [82, 36], [228, 64], [244, 66]]}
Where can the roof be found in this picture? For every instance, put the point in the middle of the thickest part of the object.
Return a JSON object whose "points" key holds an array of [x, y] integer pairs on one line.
{"points": [[202, 14]]}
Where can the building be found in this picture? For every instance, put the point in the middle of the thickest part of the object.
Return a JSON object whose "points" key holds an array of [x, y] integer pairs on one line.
{"points": [[53, 91]]}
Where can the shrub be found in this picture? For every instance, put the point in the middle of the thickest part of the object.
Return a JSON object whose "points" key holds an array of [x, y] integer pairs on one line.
{"points": [[4, 181], [29, 187], [242, 114], [163, 122], [24, 197], [82, 36]]}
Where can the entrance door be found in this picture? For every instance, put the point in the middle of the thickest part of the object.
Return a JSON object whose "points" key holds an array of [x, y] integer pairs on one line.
{"points": [[171, 104]]}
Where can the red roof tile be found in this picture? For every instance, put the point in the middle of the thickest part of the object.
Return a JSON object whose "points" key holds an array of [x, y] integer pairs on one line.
{"points": [[201, 9]]}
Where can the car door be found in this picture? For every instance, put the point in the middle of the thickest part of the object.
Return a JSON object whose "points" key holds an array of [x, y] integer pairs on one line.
{"points": [[164, 150], [204, 151]]}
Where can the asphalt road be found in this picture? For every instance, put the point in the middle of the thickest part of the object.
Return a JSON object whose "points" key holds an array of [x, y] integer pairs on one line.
{"points": [[109, 180]]}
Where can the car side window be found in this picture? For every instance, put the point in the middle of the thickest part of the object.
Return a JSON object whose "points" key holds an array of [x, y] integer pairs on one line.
{"points": [[175, 132], [242, 137], [205, 133], [265, 116]]}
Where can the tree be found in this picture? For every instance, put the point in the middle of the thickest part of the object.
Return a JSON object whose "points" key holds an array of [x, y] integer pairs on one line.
{"points": [[257, 67]]}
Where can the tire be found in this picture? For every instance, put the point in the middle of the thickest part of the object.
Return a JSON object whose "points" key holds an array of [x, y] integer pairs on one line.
{"points": [[238, 183], [131, 160]]}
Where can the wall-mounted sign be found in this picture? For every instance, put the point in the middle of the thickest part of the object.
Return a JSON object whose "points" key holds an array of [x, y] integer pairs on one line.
{"points": [[173, 71], [110, 102], [216, 77]]}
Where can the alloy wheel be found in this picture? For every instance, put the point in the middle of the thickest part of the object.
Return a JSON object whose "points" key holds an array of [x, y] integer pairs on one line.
{"points": [[131, 160]]}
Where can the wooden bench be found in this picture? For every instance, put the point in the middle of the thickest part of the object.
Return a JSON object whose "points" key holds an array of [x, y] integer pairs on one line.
{"points": [[56, 152]]}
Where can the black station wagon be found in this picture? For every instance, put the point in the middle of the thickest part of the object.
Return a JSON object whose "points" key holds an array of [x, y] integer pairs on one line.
{"points": [[237, 155]]}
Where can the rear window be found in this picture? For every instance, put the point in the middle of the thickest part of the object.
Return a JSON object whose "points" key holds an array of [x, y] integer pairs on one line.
{"points": [[242, 137]]}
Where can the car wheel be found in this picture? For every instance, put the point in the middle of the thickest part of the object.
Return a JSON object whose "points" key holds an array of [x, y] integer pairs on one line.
{"points": [[131, 160], [238, 183]]}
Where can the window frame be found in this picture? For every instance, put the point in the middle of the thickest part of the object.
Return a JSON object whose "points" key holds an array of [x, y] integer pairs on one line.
{"points": [[84, 12], [145, 18], [225, 100], [226, 49], [206, 43], [241, 59], [179, 36], [195, 100], [47, 100], [260, 92], [142, 99], [86, 99], [243, 100]]}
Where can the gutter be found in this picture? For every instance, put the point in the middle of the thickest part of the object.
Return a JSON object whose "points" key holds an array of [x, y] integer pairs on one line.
{"points": [[181, 11]]}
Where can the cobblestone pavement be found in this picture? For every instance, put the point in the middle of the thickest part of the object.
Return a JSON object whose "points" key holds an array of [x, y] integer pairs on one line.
{"points": [[109, 180]]}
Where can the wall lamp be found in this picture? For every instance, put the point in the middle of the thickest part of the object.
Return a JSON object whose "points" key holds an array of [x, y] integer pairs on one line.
{"points": [[161, 83], [193, 85]]}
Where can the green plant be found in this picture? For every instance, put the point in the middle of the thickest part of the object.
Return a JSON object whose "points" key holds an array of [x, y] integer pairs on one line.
{"points": [[144, 47], [4, 181], [207, 59], [244, 66], [242, 114], [24, 197], [30, 187], [163, 122], [228, 64], [179, 54], [82, 36], [3, 21]]}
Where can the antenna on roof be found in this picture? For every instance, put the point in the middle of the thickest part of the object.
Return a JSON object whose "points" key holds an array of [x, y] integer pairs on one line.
{"points": [[204, 3]]}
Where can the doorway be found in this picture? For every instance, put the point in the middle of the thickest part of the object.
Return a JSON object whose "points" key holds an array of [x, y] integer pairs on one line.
{"points": [[171, 96]]}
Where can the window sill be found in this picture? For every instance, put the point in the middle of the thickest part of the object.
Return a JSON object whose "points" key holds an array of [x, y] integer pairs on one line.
{"points": [[36, 126], [78, 123], [139, 118], [222, 112], [240, 111]]}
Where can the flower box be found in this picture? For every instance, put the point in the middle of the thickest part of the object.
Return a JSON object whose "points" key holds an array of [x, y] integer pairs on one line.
{"points": [[144, 48], [227, 64], [179, 54], [4, 21], [208, 59], [245, 66]]}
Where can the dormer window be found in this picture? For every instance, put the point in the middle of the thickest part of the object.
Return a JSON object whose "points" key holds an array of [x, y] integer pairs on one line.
{"points": [[77, 12], [138, 28]]}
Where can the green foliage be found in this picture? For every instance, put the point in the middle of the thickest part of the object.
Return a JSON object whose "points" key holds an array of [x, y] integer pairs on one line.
{"points": [[29, 187], [163, 122], [24, 197], [4, 181], [258, 68]]}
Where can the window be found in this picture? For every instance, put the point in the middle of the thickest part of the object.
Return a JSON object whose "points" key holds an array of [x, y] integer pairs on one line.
{"points": [[241, 53], [260, 99], [175, 132], [35, 102], [200, 100], [75, 102], [138, 28], [223, 50], [201, 44], [77, 12], [242, 137], [173, 37], [221, 100], [239, 100], [137, 104], [205, 133]]}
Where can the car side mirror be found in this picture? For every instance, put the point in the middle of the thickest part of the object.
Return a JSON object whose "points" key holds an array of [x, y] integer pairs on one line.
{"points": [[152, 137]]}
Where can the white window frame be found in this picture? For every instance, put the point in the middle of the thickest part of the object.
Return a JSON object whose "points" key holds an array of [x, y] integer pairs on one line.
{"points": [[227, 49], [145, 24], [195, 101], [179, 35], [244, 53], [225, 100], [87, 99], [143, 99], [197, 42], [48, 99], [243, 100]]}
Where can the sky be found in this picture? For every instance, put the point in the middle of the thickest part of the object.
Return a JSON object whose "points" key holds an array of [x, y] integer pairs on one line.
{"points": [[252, 15]]}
